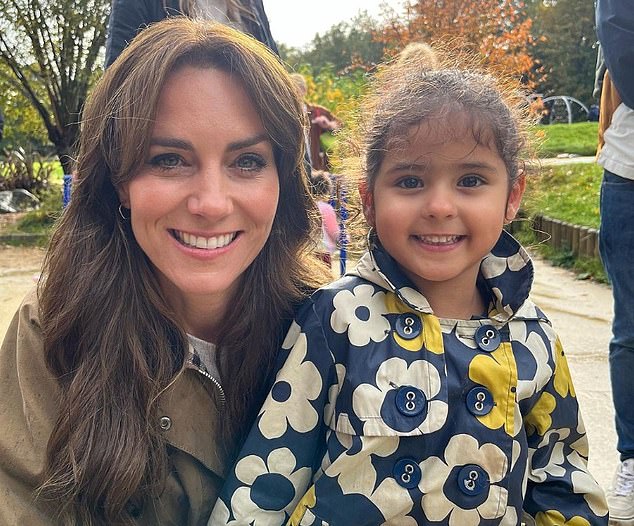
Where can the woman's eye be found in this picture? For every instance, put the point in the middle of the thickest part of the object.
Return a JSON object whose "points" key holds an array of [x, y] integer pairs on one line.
{"points": [[471, 181], [166, 160], [250, 162], [410, 182]]}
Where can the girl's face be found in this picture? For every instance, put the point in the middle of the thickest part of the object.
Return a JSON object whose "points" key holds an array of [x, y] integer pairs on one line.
{"points": [[439, 206], [202, 205]]}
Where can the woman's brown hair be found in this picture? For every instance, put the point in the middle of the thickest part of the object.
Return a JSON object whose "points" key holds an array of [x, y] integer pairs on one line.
{"points": [[109, 335]]}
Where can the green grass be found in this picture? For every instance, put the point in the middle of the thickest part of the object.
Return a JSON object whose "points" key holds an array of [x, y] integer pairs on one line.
{"points": [[579, 138], [569, 193]]}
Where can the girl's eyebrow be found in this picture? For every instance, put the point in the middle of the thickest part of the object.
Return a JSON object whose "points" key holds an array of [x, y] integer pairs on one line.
{"points": [[181, 144], [476, 165], [409, 167]]}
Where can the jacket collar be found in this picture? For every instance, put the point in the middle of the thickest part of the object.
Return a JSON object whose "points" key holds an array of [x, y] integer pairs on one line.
{"points": [[506, 272]]}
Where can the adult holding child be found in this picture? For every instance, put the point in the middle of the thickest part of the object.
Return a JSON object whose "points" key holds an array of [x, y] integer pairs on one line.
{"points": [[131, 375]]}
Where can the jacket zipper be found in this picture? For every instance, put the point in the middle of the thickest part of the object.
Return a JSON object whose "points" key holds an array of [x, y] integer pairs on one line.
{"points": [[223, 398]]}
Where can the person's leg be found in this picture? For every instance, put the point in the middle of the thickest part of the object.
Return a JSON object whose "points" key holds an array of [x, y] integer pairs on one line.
{"points": [[616, 245]]}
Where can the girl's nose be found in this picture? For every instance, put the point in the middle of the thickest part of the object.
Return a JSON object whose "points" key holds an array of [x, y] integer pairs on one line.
{"points": [[210, 195], [440, 204]]}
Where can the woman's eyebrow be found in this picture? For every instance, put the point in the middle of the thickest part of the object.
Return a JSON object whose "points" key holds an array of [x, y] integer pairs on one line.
{"points": [[170, 142], [181, 144], [239, 145]]}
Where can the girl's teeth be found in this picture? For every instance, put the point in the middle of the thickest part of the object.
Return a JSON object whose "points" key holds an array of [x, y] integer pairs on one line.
{"points": [[439, 240]]}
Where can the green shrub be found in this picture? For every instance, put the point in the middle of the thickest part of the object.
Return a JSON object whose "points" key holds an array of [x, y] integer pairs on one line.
{"points": [[25, 169]]}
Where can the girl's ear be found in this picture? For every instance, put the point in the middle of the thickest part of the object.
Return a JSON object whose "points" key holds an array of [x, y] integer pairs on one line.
{"points": [[367, 202], [515, 197]]}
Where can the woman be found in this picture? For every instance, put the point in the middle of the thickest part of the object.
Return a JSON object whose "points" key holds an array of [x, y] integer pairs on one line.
{"points": [[129, 379], [128, 17]]}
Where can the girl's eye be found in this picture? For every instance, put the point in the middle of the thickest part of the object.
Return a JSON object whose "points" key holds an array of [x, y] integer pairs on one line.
{"points": [[166, 160], [250, 162], [471, 181], [410, 182]]}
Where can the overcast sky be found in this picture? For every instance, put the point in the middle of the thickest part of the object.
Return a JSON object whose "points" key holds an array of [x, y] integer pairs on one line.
{"points": [[295, 22]]}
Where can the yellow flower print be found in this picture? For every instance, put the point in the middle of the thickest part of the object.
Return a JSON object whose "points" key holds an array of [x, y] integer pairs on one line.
{"points": [[308, 501], [497, 372], [539, 418], [563, 381], [555, 518], [431, 335]]}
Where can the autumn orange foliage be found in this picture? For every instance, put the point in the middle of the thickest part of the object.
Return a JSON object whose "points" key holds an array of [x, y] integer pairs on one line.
{"points": [[495, 34]]}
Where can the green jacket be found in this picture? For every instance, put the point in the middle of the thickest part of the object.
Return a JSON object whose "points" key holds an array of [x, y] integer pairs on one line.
{"points": [[30, 404]]}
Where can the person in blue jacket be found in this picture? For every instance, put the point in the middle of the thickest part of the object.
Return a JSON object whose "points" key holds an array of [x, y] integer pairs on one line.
{"points": [[615, 29], [424, 387], [128, 17]]}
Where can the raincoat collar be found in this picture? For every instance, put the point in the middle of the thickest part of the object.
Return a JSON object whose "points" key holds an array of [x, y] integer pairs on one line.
{"points": [[506, 272]]}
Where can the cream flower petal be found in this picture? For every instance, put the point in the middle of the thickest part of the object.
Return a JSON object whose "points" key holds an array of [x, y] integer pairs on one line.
{"points": [[249, 468], [491, 508], [460, 517]]}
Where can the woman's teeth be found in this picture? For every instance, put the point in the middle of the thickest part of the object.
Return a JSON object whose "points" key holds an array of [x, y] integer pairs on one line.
{"points": [[191, 240]]}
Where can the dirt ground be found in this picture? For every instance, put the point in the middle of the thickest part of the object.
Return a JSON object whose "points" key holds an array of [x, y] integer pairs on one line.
{"points": [[19, 267]]}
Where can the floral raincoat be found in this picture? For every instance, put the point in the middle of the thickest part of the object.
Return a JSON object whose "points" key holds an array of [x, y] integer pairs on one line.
{"points": [[383, 413]]}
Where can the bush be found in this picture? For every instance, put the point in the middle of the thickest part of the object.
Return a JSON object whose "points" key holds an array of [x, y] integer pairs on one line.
{"points": [[25, 169]]}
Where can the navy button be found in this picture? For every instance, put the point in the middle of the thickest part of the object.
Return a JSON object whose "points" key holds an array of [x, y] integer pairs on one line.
{"points": [[408, 326], [487, 338], [480, 401], [407, 473], [410, 401], [472, 480]]}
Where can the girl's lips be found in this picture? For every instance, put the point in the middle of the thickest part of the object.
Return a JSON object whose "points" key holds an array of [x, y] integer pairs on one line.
{"points": [[201, 242]]}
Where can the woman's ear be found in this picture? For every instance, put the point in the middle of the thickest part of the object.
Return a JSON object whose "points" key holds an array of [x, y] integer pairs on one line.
{"points": [[124, 195], [367, 202], [515, 197]]}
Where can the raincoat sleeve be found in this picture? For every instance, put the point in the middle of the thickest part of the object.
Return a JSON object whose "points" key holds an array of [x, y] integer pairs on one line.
{"points": [[30, 396], [560, 490], [615, 29], [285, 446]]}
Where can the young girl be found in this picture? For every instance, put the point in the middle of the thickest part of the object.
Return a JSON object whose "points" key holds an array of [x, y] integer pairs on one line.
{"points": [[424, 387]]}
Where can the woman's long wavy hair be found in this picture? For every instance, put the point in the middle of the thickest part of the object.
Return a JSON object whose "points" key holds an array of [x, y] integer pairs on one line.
{"points": [[109, 336]]}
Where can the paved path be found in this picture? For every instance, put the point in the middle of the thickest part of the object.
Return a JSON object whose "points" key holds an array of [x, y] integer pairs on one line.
{"points": [[580, 311]]}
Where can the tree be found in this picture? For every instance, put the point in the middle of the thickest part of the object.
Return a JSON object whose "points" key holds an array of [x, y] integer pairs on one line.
{"points": [[52, 48], [497, 33], [23, 126], [566, 47], [344, 46]]}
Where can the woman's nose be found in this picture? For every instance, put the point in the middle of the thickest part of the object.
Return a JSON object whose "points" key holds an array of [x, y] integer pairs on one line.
{"points": [[210, 195]]}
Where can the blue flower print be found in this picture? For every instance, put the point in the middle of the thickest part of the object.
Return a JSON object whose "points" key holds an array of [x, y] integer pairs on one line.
{"points": [[297, 384], [463, 486]]}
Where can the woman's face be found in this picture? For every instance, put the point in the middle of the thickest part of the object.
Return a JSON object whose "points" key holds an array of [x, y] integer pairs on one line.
{"points": [[203, 203]]}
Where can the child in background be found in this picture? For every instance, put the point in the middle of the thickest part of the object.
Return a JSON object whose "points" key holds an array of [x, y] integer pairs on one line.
{"points": [[321, 187], [424, 387]]}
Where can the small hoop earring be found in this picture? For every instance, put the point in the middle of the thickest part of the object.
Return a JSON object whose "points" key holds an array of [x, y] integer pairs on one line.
{"points": [[122, 214]]}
